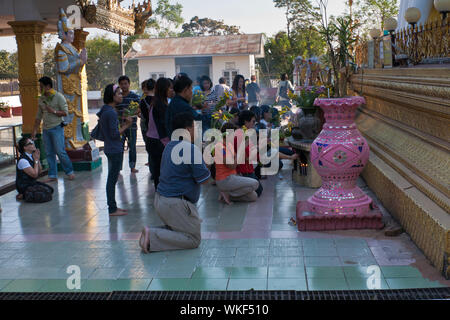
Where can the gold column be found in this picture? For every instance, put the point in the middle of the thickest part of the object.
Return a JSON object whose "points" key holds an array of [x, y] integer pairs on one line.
{"points": [[79, 42], [29, 48]]}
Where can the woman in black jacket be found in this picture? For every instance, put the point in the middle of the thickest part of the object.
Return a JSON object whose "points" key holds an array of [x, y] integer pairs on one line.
{"points": [[148, 87], [157, 132]]}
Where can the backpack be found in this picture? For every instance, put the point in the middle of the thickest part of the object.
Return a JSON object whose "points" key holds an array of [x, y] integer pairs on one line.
{"points": [[38, 193], [283, 92]]}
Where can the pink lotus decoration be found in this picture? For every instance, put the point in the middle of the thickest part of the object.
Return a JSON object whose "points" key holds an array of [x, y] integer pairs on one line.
{"points": [[339, 154]]}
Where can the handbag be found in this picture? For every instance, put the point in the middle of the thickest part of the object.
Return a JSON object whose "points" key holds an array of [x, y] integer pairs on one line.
{"points": [[97, 133]]}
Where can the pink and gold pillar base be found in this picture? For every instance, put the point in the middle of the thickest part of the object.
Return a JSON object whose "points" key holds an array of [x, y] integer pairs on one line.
{"points": [[339, 154]]}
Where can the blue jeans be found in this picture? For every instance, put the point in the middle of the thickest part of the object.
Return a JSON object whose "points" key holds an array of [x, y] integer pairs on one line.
{"points": [[114, 165], [131, 135], [54, 145]]}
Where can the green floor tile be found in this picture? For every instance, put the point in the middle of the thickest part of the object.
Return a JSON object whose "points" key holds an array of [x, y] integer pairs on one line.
{"points": [[220, 252], [211, 273], [169, 284], [59, 285], [286, 272], [286, 261], [367, 284], [327, 284], [354, 252], [207, 284], [322, 262], [286, 251], [24, 286], [359, 261], [252, 252], [320, 242], [248, 273], [325, 272], [247, 284], [412, 283], [400, 272], [350, 243], [4, 283], [286, 243], [106, 273], [319, 252], [362, 271], [114, 285], [286, 284]]}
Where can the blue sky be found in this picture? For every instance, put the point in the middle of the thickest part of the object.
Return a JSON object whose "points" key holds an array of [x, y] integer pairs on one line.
{"points": [[253, 16]]}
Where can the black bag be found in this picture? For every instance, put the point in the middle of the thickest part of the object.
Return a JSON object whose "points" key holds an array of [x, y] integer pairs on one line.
{"points": [[97, 134], [38, 193]]}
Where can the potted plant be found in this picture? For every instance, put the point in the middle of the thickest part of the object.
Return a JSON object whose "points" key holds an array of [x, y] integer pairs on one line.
{"points": [[309, 124]]}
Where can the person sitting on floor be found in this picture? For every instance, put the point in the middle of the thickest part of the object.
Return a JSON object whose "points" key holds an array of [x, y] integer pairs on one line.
{"points": [[27, 171], [232, 187], [178, 192]]}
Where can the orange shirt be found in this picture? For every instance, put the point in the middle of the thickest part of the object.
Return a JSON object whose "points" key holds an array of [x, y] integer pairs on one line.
{"points": [[222, 171]]}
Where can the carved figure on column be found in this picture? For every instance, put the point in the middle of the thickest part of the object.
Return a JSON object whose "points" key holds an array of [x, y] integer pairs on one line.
{"points": [[69, 63]]}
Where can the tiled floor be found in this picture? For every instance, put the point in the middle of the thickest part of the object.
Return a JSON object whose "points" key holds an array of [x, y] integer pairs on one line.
{"points": [[244, 246]]}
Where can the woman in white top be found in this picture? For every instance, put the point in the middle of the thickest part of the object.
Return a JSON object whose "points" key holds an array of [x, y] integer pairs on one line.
{"points": [[28, 167], [283, 90]]}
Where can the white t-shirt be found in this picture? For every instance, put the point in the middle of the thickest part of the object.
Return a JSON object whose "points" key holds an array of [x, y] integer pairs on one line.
{"points": [[23, 163]]}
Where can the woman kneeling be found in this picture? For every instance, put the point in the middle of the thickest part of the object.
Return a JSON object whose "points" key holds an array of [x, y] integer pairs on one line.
{"points": [[27, 171]]}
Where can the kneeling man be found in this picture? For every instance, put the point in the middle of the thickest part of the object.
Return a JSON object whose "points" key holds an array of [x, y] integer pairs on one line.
{"points": [[183, 170]]}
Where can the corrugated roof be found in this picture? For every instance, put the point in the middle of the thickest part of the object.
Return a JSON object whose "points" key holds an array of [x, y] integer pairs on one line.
{"points": [[243, 44]]}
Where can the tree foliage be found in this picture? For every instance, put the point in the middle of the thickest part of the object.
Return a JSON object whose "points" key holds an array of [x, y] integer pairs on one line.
{"points": [[206, 26], [103, 65], [165, 19], [8, 65], [280, 50]]}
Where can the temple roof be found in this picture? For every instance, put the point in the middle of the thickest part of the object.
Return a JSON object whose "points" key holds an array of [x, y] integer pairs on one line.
{"points": [[242, 44]]}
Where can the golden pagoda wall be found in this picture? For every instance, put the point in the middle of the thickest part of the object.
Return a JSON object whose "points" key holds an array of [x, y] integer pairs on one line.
{"points": [[406, 121]]}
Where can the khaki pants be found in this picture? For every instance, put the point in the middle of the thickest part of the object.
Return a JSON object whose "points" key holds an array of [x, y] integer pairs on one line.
{"points": [[182, 230], [239, 188]]}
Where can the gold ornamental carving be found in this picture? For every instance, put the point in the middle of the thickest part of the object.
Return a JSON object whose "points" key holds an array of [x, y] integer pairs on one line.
{"points": [[109, 15]]}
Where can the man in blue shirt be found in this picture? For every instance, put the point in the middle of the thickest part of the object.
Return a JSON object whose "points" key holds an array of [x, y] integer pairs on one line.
{"points": [[182, 172], [180, 103], [131, 133]]}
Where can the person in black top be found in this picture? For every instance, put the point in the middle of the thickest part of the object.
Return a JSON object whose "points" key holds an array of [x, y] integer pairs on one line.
{"points": [[28, 168], [181, 103], [148, 86], [157, 132], [253, 91]]}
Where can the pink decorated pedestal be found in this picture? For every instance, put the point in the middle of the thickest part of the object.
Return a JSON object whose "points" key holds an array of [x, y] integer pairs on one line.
{"points": [[339, 154]]}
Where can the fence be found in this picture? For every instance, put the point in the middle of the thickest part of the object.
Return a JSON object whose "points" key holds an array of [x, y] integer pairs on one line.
{"points": [[9, 87], [420, 44], [9, 136]]}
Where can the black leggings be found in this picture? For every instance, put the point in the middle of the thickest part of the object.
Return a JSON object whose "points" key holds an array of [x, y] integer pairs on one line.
{"points": [[156, 148]]}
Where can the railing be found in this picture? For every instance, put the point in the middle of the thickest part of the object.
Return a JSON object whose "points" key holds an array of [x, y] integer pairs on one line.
{"points": [[423, 43], [9, 87], [9, 136]]}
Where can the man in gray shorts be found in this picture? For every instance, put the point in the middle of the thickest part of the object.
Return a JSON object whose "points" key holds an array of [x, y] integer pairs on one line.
{"points": [[177, 193]]}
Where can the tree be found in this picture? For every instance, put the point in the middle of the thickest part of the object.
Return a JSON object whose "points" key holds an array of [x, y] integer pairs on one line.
{"points": [[165, 19], [103, 65], [205, 26], [375, 12], [48, 55], [8, 65], [280, 51], [296, 15]]}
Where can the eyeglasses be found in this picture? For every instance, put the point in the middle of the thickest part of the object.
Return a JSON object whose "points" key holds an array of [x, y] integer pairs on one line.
{"points": [[29, 143]]}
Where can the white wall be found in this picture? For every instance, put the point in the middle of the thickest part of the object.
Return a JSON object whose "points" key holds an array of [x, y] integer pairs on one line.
{"points": [[242, 65], [156, 65]]}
